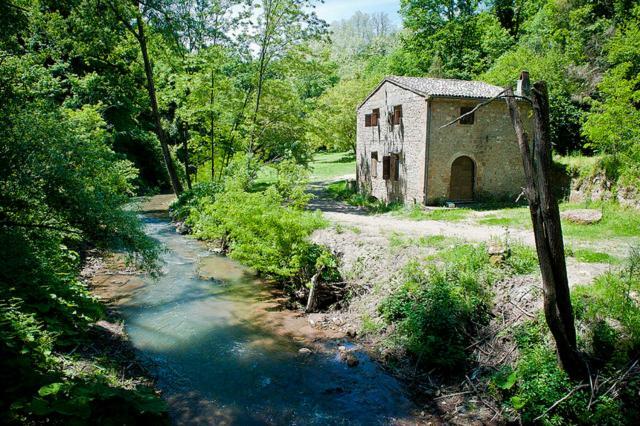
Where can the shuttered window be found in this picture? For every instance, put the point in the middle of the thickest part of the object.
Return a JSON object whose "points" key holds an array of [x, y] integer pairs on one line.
{"points": [[367, 120], [397, 115], [374, 164], [375, 116], [395, 167], [386, 167], [469, 119]]}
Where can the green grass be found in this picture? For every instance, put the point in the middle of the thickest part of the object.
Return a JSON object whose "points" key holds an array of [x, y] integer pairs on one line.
{"points": [[591, 256], [416, 212], [340, 191], [331, 165], [617, 221]]}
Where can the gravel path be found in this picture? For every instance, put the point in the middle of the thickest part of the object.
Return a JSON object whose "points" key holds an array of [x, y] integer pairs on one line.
{"points": [[375, 230]]}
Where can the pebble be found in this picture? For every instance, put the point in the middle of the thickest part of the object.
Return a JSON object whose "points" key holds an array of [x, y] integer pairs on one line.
{"points": [[304, 351]]}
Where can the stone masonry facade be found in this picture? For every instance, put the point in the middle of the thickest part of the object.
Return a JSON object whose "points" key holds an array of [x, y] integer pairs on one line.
{"points": [[425, 151]]}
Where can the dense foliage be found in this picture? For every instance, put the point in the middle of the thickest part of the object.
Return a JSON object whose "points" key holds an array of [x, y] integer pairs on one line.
{"points": [[437, 310], [608, 316], [267, 230]]}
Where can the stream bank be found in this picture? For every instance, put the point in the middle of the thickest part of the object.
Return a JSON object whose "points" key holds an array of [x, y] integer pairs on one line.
{"points": [[223, 349]]}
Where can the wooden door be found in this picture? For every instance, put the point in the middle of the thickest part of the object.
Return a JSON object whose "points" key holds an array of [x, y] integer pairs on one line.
{"points": [[462, 179]]}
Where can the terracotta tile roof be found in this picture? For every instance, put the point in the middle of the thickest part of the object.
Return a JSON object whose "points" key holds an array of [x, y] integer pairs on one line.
{"points": [[447, 87]]}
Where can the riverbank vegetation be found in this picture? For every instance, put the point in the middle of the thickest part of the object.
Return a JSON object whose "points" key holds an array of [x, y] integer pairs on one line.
{"points": [[233, 100], [265, 229]]}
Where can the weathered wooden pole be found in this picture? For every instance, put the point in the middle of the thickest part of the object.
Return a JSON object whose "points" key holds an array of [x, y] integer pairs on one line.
{"points": [[545, 216]]}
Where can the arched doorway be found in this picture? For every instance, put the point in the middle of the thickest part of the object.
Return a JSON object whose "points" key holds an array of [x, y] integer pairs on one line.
{"points": [[462, 179]]}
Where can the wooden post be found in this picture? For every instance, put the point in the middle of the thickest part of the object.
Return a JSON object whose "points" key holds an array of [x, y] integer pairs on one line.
{"points": [[545, 216]]}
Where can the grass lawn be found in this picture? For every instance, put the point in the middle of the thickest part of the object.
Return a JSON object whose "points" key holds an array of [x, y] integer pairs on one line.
{"points": [[617, 221], [325, 166], [331, 165]]}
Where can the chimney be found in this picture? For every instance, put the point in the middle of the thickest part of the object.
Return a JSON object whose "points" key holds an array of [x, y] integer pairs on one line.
{"points": [[524, 86]]}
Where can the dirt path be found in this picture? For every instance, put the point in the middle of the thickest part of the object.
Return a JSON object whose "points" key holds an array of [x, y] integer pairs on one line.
{"points": [[375, 230]]}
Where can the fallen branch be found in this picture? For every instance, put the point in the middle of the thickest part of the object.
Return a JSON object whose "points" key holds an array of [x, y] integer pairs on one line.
{"points": [[561, 400], [453, 394], [500, 95], [620, 378]]}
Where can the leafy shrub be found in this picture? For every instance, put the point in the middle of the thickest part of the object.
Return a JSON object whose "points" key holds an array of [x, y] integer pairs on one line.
{"points": [[608, 316], [194, 198], [267, 230], [342, 192], [437, 309]]}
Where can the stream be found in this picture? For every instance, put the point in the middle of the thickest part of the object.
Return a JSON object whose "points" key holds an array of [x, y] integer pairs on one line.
{"points": [[223, 352]]}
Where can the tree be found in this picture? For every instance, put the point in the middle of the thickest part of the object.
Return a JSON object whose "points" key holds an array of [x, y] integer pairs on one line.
{"points": [[127, 13], [545, 216], [281, 25], [332, 123], [613, 125]]}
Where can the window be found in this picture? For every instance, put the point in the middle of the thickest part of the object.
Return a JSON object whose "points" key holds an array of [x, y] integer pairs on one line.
{"points": [[371, 120], [397, 115], [375, 116], [386, 167], [374, 164], [395, 167], [391, 167], [469, 119]]}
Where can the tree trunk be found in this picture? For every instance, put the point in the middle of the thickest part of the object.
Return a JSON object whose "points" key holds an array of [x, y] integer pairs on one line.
{"points": [[545, 216], [151, 88], [312, 301], [185, 147], [213, 146]]}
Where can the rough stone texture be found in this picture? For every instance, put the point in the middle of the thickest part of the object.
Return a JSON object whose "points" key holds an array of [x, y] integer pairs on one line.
{"points": [[582, 216], [490, 142], [599, 188], [406, 139]]}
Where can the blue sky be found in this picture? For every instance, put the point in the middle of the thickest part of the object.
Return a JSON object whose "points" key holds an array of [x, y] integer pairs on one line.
{"points": [[334, 10]]}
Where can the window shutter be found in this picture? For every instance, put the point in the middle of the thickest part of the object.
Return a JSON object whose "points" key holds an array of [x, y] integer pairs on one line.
{"points": [[469, 119], [374, 164], [386, 167], [367, 120], [397, 115], [375, 116], [395, 166]]}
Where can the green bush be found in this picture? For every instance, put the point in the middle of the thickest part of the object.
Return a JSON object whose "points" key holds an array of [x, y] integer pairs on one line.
{"points": [[267, 231], [194, 198], [608, 316], [340, 191], [437, 309]]}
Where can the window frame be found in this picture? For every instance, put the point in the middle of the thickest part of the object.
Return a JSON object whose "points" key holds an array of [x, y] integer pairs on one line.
{"points": [[470, 119], [397, 115]]}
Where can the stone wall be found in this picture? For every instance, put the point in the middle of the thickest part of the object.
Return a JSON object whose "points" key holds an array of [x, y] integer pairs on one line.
{"points": [[490, 142], [406, 139]]}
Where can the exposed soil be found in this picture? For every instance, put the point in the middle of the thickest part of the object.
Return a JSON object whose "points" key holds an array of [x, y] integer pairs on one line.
{"points": [[371, 264]]}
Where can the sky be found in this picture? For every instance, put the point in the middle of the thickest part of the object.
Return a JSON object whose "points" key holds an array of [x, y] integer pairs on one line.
{"points": [[335, 10]]}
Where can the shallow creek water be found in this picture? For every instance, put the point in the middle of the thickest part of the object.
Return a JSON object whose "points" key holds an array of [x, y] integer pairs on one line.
{"points": [[223, 353]]}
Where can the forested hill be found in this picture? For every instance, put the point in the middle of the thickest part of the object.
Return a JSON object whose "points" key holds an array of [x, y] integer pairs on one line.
{"points": [[221, 83]]}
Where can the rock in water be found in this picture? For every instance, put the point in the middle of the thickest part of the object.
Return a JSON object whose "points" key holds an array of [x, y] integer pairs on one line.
{"points": [[582, 216], [349, 358], [304, 351]]}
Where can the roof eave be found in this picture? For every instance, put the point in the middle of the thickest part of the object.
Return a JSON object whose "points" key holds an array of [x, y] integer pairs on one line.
{"points": [[388, 80]]}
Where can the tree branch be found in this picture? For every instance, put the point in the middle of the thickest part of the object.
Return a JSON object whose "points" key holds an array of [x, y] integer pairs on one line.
{"points": [[501, 95]]}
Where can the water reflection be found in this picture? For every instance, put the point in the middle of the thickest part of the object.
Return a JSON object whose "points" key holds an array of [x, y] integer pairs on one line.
{"points": [[219, 359]]}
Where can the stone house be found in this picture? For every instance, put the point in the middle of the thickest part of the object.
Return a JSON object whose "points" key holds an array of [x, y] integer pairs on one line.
{"points": [[404, 154]]}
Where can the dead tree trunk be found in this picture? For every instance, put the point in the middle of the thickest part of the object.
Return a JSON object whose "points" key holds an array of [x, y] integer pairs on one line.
{"points": [[312, 301], [545, 216]]}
